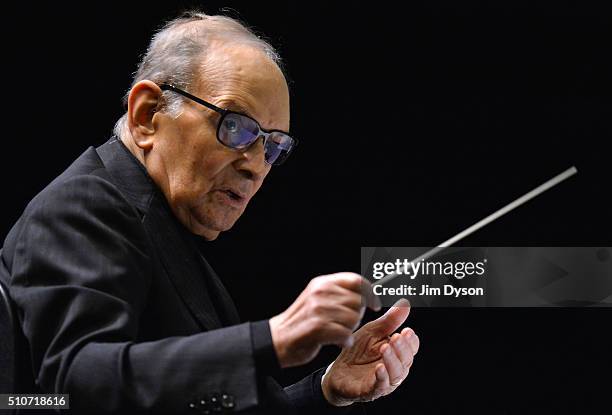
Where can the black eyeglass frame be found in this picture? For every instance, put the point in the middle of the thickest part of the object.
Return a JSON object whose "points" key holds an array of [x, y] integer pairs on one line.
{"points": [[224, 112]]}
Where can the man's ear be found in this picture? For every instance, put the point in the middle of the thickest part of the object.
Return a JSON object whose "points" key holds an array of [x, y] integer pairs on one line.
{"points": [[143, 101]]}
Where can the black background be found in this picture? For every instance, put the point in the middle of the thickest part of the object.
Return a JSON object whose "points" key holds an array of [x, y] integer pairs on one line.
{"points": [[415, 122]]}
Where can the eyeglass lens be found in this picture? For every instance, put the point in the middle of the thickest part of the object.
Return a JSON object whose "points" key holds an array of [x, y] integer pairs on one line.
{"points": [[238, 131]]}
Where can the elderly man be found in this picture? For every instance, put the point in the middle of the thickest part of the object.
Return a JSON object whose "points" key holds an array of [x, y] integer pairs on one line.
{"points": [[118, 306]]}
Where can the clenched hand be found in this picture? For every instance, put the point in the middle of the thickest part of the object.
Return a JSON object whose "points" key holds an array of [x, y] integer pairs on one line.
{"points": [[327, 312]]}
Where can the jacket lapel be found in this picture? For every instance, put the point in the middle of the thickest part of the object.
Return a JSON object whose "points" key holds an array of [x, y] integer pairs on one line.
{"points": [[168, 236], [181, 263], [228, 312]]}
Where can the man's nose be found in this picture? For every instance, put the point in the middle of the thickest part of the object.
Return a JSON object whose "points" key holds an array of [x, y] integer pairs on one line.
{"points": [[252, 163]]}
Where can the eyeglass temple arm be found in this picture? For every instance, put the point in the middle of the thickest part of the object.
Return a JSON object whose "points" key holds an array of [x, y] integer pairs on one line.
{"points": [[169, 87]]}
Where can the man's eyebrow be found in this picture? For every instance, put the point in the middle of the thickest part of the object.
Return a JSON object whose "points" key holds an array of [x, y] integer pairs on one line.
{"points": [[234, 106]]}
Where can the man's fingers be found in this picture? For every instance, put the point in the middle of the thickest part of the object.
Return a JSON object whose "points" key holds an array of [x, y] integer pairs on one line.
{"points": [[348, 280], [348, 298], [371, 300], [358, 284], [412, 338], [403, 349], [392, 319], [394, 366], [382, 381], [346, 316], [337, 334]]}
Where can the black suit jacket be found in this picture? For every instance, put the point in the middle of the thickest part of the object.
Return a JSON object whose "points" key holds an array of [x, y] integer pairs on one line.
{"points": [[122, 311]]}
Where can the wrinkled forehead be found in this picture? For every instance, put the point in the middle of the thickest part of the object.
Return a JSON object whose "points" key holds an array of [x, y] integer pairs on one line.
{"points": [[243, 78]]}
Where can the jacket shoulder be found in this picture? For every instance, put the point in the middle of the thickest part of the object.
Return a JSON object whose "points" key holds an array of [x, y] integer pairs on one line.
{"points": [[84, 189], [85, 183]]}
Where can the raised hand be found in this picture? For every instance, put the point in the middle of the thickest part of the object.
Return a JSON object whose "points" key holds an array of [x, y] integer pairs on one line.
{"points": [[378, 361], [327, 312]]}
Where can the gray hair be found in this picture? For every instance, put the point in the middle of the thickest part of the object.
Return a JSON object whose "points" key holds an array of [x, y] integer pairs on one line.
{"points": [[179, 49]]}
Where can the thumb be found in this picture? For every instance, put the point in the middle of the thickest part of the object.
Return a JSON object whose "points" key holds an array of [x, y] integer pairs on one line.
{"points": [[392, 319]]}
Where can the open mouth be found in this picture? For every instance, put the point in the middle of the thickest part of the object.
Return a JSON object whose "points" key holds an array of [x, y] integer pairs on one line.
{"points": [[233, 196]]}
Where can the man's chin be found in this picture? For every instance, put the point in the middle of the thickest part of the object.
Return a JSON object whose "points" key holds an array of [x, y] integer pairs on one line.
{"points": [[210, 228], [209, 235]]}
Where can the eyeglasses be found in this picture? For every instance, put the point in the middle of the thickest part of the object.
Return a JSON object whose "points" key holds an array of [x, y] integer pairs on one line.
{"points": [[239, 131]]}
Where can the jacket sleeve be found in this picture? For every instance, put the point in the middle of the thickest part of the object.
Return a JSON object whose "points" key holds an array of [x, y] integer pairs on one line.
{"points": [[307, 396], [80, 274]]}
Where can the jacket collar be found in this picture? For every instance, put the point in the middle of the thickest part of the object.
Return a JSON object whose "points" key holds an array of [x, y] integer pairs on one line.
{"points": [[128, 174]]}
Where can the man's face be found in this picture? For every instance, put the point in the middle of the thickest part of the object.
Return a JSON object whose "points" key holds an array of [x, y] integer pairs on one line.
{"points": [[208, 185]]}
